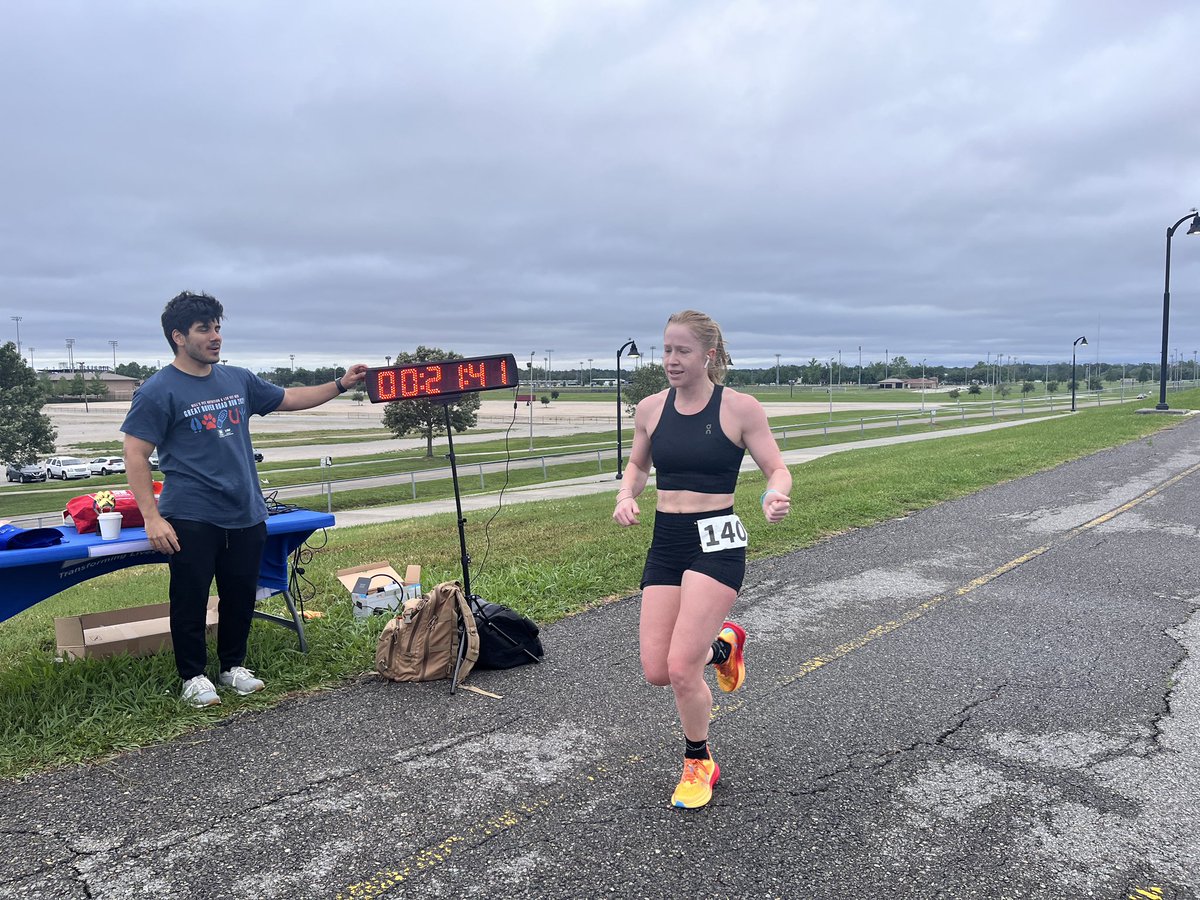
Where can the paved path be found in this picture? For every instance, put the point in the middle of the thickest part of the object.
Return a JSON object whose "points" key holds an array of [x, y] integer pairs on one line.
{"points": [[997, 697]]}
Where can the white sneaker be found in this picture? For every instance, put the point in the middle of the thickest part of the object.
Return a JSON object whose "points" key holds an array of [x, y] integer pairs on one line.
{"points": [[199, 692], [242, 680]]}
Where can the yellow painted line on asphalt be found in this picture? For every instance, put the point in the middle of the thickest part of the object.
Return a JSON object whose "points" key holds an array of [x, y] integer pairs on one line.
{"points": [[917, 612], [843, 650], [1125, 507], [422, 861]]}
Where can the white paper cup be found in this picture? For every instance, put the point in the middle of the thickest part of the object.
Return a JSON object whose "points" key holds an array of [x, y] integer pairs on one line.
{"points": [[110, 526]]}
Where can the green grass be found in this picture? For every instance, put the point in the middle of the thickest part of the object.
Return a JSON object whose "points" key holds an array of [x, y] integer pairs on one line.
{"points": [[549, 559]]}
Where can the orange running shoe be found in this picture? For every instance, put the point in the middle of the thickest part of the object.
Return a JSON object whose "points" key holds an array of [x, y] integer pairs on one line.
{"points": [[731, 674], [695, 787]]}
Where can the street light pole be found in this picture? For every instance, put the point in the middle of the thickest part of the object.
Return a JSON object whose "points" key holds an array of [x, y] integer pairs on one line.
{"points": [[17, 319], [922, 384], [1194, 228], [1078, 341], [113, 344], [549, 369], [590, 358], [831, 389], [777, 355], [633, 354]]}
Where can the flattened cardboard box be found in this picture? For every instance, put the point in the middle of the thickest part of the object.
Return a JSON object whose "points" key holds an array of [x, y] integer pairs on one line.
{"points": [[367, 579], [137, 631], [373, 588]]}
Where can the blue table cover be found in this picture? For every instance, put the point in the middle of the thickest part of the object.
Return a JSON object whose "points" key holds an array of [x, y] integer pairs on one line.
{"points": [[30, 576]]}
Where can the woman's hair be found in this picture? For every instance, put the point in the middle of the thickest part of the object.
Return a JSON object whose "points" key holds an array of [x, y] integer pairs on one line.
{"points": [[185, 310], [708, 333]]}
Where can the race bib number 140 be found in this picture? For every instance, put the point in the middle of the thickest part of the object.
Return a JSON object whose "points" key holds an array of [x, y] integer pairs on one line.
{"points": [[721, 533]]}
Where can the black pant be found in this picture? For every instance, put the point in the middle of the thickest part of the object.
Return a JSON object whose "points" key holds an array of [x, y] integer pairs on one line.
{"points": [[233, 556]]}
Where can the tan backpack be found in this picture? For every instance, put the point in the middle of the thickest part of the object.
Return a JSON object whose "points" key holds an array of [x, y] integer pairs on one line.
{"points": [[421, 643]]}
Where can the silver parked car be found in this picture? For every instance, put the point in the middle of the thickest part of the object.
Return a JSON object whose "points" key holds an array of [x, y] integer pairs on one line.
{"points": [[65, 467]]}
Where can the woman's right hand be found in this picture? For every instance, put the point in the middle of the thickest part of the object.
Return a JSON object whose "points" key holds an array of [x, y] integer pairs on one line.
{"points": [[627, 512]]}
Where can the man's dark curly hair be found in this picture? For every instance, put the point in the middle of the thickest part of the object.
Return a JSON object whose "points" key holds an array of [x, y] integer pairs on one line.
{"points": [[185, 310]]}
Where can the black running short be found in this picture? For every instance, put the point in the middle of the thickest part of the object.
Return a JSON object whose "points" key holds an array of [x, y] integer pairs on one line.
{"points": [[675, 549]]}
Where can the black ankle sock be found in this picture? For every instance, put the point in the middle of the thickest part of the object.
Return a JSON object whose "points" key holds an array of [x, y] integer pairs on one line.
{"points": [[695, 749], [720, 652]]}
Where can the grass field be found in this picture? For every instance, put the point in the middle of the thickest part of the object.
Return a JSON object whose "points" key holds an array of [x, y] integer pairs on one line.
{"points": [[549, 560]]}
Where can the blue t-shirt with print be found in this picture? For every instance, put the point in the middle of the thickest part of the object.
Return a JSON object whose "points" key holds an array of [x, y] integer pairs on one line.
{"points": [[200, 426]]}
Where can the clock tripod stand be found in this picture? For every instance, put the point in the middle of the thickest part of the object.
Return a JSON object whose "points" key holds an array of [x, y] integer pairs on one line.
{"points": [[474, 601]]}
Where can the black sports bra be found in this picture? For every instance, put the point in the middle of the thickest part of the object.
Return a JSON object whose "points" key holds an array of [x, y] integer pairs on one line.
{"points": [[692, 453]]}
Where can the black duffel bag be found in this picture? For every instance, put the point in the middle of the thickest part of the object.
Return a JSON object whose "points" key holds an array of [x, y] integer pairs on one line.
{"points": [[496, 651]]}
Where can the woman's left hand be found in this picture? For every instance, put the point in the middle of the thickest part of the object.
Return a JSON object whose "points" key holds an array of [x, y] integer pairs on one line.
{"points": [[776, 506]]}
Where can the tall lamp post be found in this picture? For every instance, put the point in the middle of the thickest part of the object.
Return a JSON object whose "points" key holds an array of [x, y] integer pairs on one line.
{"points": [[922, 384], [1078, 341], [1194, 228], [633, 354], [113, 344], [18, 319]]}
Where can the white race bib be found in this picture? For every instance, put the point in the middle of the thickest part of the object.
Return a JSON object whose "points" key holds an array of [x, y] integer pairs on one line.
{"points": [[721, 533]]}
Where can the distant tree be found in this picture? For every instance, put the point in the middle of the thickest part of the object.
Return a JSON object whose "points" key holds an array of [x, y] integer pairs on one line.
{"points": [[1005, 389], [425, 417], [1144, 374], [554, 395], [545, 398], [1027, 387], [135, 370], [973, 388], [358, 397], [76, 388], [25, 431], [1051, 387], [1094, 383], [649, 379], [953, 393]]}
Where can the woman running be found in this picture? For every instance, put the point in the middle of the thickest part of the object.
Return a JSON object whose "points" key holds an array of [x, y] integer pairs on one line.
{"points": [[695, 434]]}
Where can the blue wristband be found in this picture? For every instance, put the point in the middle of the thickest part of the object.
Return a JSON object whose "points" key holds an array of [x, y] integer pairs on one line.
{"points": [[763, 498]]}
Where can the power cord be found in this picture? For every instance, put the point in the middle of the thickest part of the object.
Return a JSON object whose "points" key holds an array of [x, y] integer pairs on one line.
{"points": [[487, 538]]}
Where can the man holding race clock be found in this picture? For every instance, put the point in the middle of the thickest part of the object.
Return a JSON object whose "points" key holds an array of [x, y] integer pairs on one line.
{"points": [[696, 434]]}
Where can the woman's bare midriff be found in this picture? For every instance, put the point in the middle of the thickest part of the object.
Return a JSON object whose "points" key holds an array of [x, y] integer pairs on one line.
{"points": [[692, 502]]}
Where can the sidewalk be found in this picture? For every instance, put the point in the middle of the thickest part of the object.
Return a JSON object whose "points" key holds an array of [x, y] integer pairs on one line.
{"points": [[603, 482]]}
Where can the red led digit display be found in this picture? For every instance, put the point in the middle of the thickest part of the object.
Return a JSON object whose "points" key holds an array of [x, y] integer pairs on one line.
{"points": [[442, 378]]}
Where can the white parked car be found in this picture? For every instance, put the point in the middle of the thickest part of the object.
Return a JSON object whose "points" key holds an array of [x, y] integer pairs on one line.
{"points": [[65, 467], [107, 465]]}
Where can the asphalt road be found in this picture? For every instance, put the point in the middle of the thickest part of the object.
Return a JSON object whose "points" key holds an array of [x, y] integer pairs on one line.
{"points": [[994, 698]]}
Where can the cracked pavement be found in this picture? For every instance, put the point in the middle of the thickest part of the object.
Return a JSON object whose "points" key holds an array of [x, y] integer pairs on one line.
{"points": [[994, 698]]}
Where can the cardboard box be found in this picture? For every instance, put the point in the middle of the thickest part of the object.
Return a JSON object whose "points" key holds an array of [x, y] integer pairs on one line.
{"points": [[137, 631], [378, 589]]}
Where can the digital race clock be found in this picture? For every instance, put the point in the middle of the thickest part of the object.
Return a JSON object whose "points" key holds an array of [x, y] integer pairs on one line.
{"points": [[442, 378]]}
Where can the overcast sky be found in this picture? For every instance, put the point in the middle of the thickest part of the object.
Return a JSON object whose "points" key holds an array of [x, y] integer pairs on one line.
{"points": [[942, 180]]}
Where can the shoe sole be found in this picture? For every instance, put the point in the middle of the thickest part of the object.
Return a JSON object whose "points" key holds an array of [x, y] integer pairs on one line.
{"points": [[241, 692], [194, 705], [712, 784], [739, 657]]}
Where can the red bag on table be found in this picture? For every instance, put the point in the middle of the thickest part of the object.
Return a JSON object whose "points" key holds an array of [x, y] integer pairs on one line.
{"points": [[84, 512]]}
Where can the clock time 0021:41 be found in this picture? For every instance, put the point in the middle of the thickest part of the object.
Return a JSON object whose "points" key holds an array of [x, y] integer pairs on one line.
{"points": [[441, 378]]}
